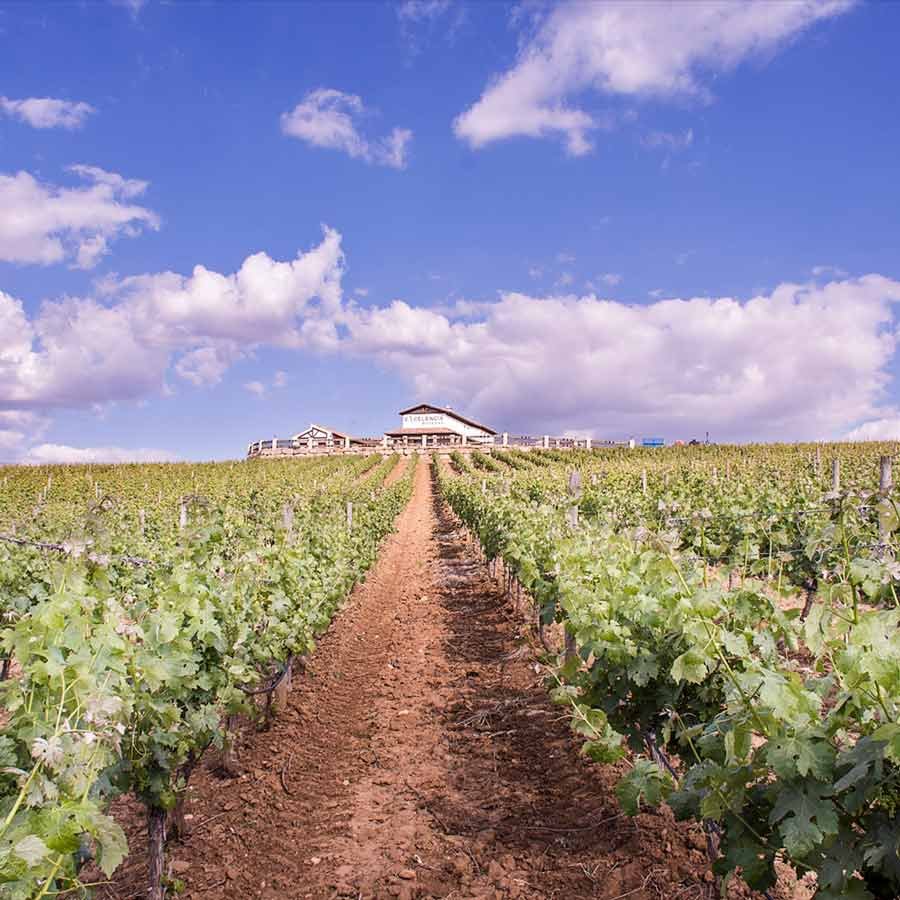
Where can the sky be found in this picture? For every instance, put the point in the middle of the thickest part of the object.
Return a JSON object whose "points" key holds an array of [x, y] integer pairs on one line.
{"points": [[220, 222]]}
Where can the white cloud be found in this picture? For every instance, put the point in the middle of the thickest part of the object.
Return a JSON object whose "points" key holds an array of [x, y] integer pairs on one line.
{"points": [[255, 387], [422, 10], [886, 429], [79, 351], [47, 112], [535, 272], [565, 258], [611, 278], [48, 454], [834, 271], [740, 369], [361, 292], [627, 49], [280, 380], [421, 19], [668, 140], [44, 224], [565, 279], [330, 118]]}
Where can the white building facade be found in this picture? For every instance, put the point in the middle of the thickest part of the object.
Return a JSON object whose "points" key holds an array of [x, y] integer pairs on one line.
{"points": [[426, 417]]}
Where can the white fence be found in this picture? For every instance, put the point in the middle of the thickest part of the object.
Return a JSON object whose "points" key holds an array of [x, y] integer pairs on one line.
{"points": [[419, 443]]}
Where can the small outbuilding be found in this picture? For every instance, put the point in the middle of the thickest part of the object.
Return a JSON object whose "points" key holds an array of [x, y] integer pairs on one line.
{"points": [[322, 436]]}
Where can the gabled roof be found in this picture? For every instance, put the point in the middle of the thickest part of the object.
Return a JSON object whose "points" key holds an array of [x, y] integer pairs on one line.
{"points": [[333, 431], [447, 412]]}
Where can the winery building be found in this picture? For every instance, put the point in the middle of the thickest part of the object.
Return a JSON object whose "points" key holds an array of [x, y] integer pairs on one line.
{"points": [[423, 427], [436, 425]]}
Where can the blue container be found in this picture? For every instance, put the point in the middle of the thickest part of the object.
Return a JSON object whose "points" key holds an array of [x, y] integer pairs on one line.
{"points": [[653, 442]]}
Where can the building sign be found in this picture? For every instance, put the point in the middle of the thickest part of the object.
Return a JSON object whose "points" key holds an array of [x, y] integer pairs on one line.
{"points": [[423, 420]]}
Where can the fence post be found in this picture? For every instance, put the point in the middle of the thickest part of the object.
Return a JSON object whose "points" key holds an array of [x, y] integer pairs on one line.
{"points": [[575, 494], [885, 483], [836, 474], [885, 477]]}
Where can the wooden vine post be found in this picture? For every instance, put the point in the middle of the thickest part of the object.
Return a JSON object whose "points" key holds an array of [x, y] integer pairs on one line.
{"points": [[644, 482], [349, 515], [836, 474], [156, 834], [287, 518], [885, 484], [885, 475], [182, 515]]}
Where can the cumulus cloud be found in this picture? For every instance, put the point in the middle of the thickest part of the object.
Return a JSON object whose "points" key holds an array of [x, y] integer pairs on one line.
{"points": [[47, 112], [49, 454], [44, 224], [679, 367], [886, 429], [631, 50], [807, 360], [330, 118], [80, 351]]}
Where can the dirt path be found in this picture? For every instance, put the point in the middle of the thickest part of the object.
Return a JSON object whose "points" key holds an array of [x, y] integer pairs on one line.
{"points": [[419, 756]]}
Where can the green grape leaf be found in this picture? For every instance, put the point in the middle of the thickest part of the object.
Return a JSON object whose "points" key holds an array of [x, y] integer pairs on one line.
{"points": [[806, 816], [794, 755], [31, 849], [645, 782], [690, 667]]}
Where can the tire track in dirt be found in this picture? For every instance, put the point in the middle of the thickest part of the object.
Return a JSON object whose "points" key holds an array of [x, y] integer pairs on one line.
{"points": [[419, 756]]}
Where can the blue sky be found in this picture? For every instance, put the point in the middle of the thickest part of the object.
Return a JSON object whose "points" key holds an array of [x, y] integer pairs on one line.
{"points": [[607, 219]]}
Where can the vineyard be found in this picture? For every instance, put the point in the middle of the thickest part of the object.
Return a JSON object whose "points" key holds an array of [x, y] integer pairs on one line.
{"points": [[729, 620], [718, 626], [144, 608]]}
